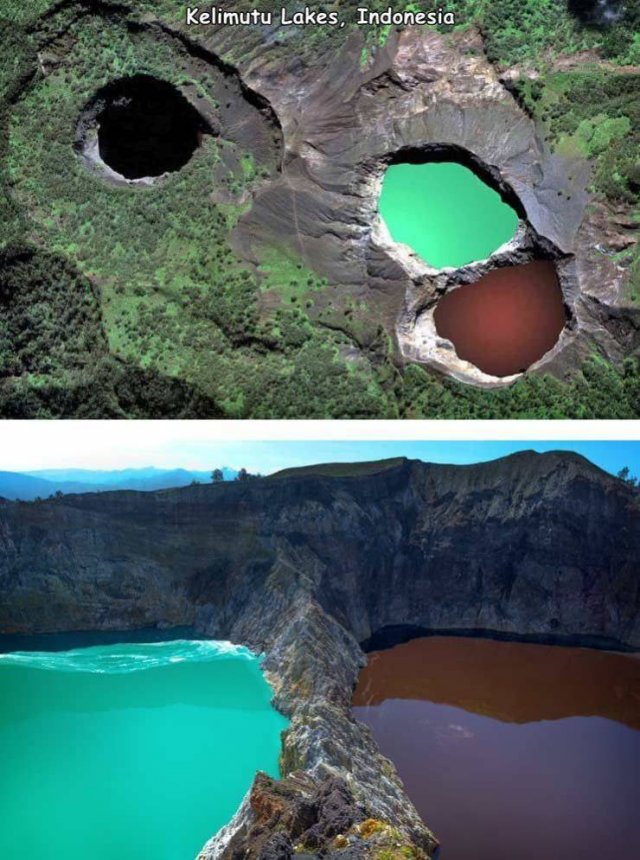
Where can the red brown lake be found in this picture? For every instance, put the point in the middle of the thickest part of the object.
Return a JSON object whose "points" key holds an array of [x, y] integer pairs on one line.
{"points": [[511, 751], [507, 320]]}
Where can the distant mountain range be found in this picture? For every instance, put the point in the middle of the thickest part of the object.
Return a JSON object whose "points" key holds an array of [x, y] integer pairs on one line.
{"points": [[45, 482]]}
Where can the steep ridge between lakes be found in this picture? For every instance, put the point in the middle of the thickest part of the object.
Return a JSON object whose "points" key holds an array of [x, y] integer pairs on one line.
{"points": [[311, 565]]}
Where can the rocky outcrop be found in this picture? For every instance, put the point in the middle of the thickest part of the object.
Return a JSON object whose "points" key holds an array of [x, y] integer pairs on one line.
{"points": [[291, 812], [309, 565]]}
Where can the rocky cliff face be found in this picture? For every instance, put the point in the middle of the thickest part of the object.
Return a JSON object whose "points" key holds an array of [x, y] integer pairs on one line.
{"points": [[531, 544], [307, 566]]}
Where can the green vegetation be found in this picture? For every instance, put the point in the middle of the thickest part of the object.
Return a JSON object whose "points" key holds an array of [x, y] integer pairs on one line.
{"points": [[592, 109], [621, 42], [174, 296], [54, 361], [524, 31], [342, 470], [22, 12], [595, 112], [17, 65], [597, 391], [531, 32], [625, 475], [50, 320]]}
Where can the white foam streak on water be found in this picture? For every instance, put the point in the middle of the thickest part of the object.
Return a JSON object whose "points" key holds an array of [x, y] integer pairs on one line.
{"points": [[123, 659]]}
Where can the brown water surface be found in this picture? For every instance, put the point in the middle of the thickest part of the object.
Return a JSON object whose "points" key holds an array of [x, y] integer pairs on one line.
{"points": [[507, 320], [512, 751]]}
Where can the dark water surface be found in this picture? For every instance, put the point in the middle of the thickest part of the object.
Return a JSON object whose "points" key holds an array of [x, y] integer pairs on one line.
{"points": [[146, 127], [507, 320], [512, 751]]}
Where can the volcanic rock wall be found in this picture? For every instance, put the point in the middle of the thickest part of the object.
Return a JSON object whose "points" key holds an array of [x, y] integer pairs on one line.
{"points": [[531, 544]]}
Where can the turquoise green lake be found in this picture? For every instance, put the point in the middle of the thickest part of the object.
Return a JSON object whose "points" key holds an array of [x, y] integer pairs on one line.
{"points": [[124, 752], [445, 213]]}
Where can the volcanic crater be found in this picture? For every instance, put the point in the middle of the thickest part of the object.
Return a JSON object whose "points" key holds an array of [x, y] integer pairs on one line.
{"points": [[499, 307], [139, 128], [424, 98], [146, 127]]}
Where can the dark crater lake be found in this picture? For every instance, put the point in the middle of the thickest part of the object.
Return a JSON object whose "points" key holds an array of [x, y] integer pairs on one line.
{"points": [[129, 751], [146, 127], [507, 320], [512, 751]]}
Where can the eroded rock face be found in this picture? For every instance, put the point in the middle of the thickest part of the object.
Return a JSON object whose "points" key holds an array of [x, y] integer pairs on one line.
{"points": [[305, 567], [427, 95], [288, 813]]}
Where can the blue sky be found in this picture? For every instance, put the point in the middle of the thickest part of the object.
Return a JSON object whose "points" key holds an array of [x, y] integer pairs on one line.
{"points": [[27, 446], [270, 456], [611, 456]]}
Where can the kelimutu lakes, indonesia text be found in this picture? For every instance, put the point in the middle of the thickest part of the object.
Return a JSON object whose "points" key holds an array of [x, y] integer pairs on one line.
{"points": [[309, 16]]}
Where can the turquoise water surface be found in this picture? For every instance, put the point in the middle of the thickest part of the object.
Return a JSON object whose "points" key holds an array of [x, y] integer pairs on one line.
{"points": [[131, 751], [445, 213]]}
